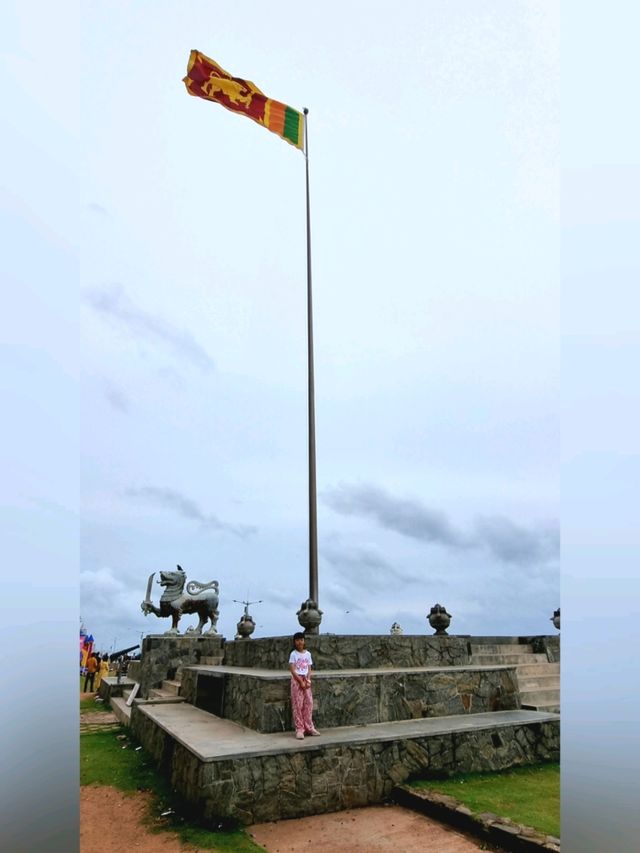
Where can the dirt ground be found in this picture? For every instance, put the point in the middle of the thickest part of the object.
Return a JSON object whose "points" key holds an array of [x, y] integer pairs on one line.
{"points": [[367, 830]]}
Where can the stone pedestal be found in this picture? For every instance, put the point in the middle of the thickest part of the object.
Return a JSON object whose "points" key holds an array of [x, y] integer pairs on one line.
{"points": [[162, 657]]}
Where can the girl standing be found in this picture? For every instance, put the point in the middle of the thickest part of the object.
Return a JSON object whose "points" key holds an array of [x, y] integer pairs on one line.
{"points": [[300, 664]]}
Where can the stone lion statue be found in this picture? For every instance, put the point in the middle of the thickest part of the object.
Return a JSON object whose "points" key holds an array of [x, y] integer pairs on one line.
{"points": [[198, 598]]}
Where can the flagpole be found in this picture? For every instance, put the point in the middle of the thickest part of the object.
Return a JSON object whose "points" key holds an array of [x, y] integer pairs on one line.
{"points": [[313, 525]]}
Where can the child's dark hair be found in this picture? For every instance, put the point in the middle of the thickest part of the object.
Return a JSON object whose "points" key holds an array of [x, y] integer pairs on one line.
{"points": [[299, 635]]}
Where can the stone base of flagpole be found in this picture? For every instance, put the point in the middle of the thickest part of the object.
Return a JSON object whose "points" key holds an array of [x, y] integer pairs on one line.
{"points": [[309, 616]]}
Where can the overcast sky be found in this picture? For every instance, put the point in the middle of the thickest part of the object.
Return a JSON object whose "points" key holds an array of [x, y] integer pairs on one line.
{"points": [[434, 157]]}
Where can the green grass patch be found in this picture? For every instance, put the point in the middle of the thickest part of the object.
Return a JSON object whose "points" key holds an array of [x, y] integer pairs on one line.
{"points": [[91, 705], [527, 795], [103, 761]]}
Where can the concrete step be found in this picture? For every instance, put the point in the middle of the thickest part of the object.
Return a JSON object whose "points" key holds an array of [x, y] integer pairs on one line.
{"points": [[171, 687], [212, 738], [548, 708], [351, 696], [539, 682], [539, 697], [161, 693], [121, 710], [502, 660], [502, 648], [547, 668]]}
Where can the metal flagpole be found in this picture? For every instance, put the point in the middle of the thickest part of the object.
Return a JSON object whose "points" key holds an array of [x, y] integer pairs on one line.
{"points": [[313, 526]]}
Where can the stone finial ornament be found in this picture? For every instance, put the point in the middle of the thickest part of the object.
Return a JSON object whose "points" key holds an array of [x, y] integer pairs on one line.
{"points": [[556, 618], [439, 619], [246, 626], [396, 629], [309, 616]]}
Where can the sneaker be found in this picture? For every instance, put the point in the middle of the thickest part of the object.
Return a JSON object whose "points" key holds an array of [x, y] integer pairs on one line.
{"points": [[300, 735], [314, 732]]}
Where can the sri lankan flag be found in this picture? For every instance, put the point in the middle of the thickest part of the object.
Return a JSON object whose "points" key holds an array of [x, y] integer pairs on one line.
{"points": [[205, 79]]}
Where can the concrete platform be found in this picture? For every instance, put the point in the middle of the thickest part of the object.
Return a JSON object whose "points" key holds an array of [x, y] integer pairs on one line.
{"points": [[121, 710], [212, 738], [220, 768], [110, 687], [259, 698]]}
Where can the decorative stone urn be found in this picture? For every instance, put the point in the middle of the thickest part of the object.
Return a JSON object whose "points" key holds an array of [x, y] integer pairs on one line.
{"points": [[556, 618], [245, 627], [309, 616], [439, 619], [396, 629]]}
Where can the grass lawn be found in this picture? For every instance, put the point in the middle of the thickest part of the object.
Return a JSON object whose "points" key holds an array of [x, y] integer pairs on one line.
{"points": [[90, 704], [528, 795], [103, 761]]}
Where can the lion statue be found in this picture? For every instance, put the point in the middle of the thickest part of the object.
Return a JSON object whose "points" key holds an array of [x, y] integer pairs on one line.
{"points": [[198, 598]]}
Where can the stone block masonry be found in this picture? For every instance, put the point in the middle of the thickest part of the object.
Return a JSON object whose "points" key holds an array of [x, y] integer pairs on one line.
{"points": [[352, 651], [260, 699], [164, 656], [264, 779]]}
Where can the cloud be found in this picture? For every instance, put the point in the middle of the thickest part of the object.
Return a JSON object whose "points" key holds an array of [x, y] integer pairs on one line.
{"points": [[509, 542], [341, 600], [512, 543], [363, 565], [115, 305], [407, 517], [117, 398], [105, 597], [187, 508], [94, 207], [110, 610]]}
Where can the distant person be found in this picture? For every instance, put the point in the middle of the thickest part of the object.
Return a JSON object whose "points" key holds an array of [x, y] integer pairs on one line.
{"points": [[103, 671], [92, 668], [300, 664]]}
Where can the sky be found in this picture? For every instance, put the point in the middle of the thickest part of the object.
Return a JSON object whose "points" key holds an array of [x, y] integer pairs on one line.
{"points": [[434, 182]]}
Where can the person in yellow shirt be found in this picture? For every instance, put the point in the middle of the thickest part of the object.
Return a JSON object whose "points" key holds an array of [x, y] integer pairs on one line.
{"points": [[102, 671], [92, 668]]}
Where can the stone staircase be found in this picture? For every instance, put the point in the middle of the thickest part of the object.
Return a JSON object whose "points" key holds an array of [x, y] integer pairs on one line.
{"points": [[538, 678], [169, 690]]}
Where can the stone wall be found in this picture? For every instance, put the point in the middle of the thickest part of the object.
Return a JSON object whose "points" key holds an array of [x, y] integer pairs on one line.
{"points": [[264, 704], [111, 688], [331, 778], [133, 670], [547, 645], [163, 656], [351, 651]]}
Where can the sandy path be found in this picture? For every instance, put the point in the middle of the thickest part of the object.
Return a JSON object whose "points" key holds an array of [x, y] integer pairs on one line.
{"points": [[366, 830]]}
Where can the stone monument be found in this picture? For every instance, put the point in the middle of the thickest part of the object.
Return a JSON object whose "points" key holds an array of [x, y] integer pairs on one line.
{"points": [[200, 598]]}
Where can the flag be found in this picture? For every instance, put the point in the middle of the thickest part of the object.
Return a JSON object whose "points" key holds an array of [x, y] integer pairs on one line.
{"points": [[206, 79]]}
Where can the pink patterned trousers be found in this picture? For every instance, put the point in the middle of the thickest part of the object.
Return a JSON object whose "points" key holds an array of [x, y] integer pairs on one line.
{"points": [[301, 707]]}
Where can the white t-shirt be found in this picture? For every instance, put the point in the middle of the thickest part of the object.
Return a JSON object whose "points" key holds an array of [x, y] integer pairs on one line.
{"points": [[302, 661]]}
